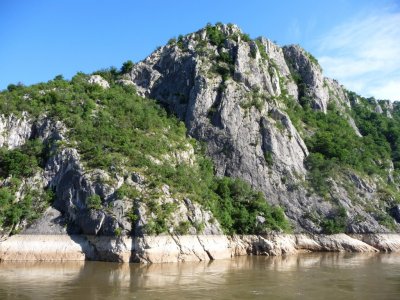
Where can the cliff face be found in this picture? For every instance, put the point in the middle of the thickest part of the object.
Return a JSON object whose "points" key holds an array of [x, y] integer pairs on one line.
{"points": [[233, 94], [238, 96]]}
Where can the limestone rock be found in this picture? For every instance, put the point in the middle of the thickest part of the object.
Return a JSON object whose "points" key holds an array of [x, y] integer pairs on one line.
{"points": [[97, 79], [311, 75], [383, 242], [14, 130]]}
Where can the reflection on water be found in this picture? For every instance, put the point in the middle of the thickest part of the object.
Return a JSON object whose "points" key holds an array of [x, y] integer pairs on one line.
{"points": [[306, 276]]}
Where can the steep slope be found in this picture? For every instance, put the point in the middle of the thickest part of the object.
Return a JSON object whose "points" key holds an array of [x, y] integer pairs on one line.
{"points": [[242, 97], [96, 156], [111, 163]]}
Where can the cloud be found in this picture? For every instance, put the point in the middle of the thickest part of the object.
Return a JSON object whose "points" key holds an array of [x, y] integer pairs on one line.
{"points": [[364, 54]]}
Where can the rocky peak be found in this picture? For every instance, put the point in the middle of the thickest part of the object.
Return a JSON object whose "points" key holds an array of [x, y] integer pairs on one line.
{"points": [[224, 86], [234, 94], [231, 92], [308, 75]]}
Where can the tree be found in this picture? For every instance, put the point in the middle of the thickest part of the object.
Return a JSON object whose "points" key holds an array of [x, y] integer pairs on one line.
{"points": [[127, 66]]}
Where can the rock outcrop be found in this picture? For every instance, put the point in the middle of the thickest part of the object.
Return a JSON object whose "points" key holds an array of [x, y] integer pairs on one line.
{"points": [[310, 76], [97, 79], [173, 248], [14, 130], [232, 96]]}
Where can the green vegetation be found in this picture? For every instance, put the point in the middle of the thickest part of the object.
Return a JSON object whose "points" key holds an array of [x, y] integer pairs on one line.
{"points": [[118, 131], [183, 228], [127, 66], [334, 145], [312, 59], [378, 128], [162, 213], [268, 158], [22, 162], [128, 192], [261, 49], [238, 208], [335, 223], [93, 202], [256, 99], [215, 35], [336, 149], [15, 165]]}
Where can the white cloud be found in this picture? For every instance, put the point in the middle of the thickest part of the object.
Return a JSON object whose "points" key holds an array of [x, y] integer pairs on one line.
{"points": [[388, 90], [364, 54]]}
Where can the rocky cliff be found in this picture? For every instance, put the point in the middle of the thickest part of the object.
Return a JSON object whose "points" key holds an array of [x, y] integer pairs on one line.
{"points": [[234, 94], [90, 157]]}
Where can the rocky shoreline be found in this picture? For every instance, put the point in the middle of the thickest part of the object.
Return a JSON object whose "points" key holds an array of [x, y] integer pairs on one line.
{"points": [[171, 248]]}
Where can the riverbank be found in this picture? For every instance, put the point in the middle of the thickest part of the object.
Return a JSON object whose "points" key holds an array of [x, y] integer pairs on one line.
{"points": [[169, 248]]}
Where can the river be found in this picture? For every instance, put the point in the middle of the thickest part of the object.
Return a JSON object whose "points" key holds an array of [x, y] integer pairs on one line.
{"points": [[303, 276]]}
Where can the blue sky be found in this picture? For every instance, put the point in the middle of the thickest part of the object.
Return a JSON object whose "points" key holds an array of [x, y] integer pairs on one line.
{"points": [[356, 42]]}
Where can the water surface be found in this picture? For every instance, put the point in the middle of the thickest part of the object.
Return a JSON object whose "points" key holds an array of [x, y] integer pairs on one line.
{"points": [[306, 276]]}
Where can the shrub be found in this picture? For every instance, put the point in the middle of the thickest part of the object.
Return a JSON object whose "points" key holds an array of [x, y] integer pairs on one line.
{"points": [[183, 227], [335, 223], [239, 208], [127, 67], [93, 202], [113, 128], [215, 35]]}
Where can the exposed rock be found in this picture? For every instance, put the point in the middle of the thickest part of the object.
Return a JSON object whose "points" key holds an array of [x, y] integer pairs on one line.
{"points": [[172, 248], [50, 223], [382, 242], [233, 98], [342, 242], [125, 82], [311, 75], [237, 139], [251, 140], [378, 109], [45, 248], [362, 184], [14, 130], [97, 79]]}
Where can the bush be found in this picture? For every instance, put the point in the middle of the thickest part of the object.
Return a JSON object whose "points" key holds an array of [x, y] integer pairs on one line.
{"points": [[215, 35], [112, 129], [93, 202], [240, 209], [336, 223], [127, 67], [21, 162]]}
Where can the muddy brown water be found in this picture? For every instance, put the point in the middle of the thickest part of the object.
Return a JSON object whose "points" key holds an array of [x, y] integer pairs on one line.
{"points": [[304, 276]]}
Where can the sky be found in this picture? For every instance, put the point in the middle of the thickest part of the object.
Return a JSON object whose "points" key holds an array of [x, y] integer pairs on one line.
{"points": [[356, 41]]}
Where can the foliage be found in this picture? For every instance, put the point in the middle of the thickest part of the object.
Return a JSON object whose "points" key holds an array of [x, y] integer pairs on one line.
{"points": [[261, 49], [28, 208], [335, 223], [255, 99], [312, 59], [180, 43], [239, 208], [22, 162], [128, 192], [268, 158], [93, 202], [215, 35], [127, 67], [334, 145], [182, 228], [114, 128], [118, 231], [162, 212]]}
